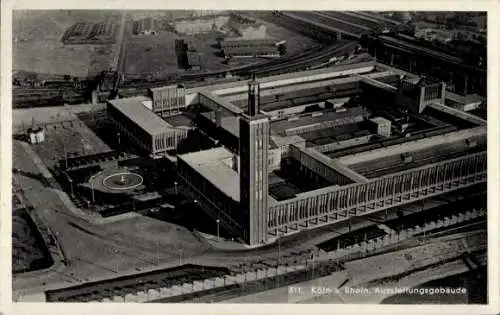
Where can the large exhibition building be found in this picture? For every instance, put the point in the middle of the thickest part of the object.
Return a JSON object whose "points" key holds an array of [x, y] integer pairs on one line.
{"points": [[306, 149]]}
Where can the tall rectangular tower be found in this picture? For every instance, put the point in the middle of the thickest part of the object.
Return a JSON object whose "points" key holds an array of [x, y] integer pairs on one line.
{"points": [[254, 142]]}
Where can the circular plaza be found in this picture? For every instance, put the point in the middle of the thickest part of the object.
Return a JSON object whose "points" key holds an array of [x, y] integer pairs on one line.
{"points": [[116, 180]]}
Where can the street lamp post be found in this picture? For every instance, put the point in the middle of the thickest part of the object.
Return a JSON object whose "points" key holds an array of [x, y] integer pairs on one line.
{"points": [[313, 256], [65, 156], [157, 253], [279, 250], [71, 186], [92, 187], [218, 221]]}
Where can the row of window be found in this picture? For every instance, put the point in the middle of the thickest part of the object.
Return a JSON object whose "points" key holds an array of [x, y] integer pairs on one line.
{"points": [[349, 197], [215, 197], [169, 140]]}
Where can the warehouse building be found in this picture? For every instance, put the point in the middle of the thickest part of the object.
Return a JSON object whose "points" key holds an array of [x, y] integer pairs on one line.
{"points": [[251, 52], [357, 159], [463, 74], [148, 131], [196, 60], [391, 142], [146, 26], [240, 47], [244, 42]]}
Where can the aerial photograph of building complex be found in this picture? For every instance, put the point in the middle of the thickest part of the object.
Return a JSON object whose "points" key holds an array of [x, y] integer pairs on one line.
{"points": [[191, 156]]}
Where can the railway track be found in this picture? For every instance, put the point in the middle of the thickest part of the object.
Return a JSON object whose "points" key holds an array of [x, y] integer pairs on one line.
{"points": [[33, 97], [255, 286], [36, 97], [274, 67], [354, 18], [307, 61], [328, 23]]}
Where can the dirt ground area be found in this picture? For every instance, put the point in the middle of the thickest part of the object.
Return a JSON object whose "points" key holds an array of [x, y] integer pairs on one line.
{"points": [[37, 42], [48, 115], [156, 54], [75, 136]]}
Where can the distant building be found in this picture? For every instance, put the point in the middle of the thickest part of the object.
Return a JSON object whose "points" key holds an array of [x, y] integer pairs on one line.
{"points": [[204, 24], [432, 35], [35, 134], [146, 26], [195, 60], [240, 47], [201, 13]]}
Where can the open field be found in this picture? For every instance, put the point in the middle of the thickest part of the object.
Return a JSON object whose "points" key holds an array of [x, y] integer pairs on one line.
{"points": [[37, 42], [151, 54], [38, 47], [156, 55]]}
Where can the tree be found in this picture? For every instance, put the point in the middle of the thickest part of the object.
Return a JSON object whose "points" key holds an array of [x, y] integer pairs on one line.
{"points": [[67, 77], [282, 49]]}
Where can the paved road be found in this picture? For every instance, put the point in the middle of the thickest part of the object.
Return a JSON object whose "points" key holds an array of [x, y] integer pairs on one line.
{"points": [[120, 42]]}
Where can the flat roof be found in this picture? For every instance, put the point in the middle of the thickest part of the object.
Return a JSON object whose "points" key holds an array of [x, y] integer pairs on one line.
{"points": [[458, 113], [166, 87], [336, 165], [380, 120], [178, 120], [133, 108], [378, 84], [286, 140], [249, 40], [293, 90], [412, 146], [221, 101], [229, 123], [210, 164], [464, 100], [280, 77], [282, 126]]}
